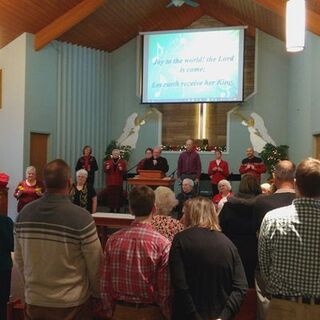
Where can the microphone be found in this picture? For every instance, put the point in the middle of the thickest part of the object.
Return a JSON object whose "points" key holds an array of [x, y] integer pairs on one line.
{"points": [[172, 173], [128, 174]]}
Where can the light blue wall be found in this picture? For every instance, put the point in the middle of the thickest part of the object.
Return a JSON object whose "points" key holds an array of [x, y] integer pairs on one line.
{"points": [[304, 97], [271, 99], [82, 103], [124, 101], [67, 97], [270, 102], [41, 95]]}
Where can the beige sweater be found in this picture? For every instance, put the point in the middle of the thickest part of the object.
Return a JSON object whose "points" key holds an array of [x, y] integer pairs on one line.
{"points": [[58, 252]]}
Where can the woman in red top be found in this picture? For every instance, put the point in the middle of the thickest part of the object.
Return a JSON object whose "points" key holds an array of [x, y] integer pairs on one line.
{"points": [[29, 189], [148, 155], [218, 170], [115, 168]]}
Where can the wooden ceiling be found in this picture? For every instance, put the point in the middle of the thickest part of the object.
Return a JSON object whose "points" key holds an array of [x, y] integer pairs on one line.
{"points": [[112, 23]]}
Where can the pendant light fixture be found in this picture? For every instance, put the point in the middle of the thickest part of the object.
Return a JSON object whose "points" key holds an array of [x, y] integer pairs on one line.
{"points": [[295, 25]]}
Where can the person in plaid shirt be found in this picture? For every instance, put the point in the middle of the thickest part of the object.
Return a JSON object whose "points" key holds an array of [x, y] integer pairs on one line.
{"points": [[289, 245], [135, 281]]}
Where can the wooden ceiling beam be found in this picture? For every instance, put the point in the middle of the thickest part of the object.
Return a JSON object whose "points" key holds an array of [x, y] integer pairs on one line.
{"points": [[222, 14], [64, 23], [279, 8]]}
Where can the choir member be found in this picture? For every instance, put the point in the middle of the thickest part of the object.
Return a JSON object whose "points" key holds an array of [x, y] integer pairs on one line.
{"points": [[28, 189], [82, 193], [252, 165], [156, 162], [218, 170], [189, 164], [88, 163], [148, 155], [115, 168]]}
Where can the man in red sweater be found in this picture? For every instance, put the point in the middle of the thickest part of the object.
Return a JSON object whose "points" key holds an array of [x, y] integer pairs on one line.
{"points": [[252, 165]]}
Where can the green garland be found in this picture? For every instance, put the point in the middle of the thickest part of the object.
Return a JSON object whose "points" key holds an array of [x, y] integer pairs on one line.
{"points": [[203, 148], [272, 154], [125, 151]]}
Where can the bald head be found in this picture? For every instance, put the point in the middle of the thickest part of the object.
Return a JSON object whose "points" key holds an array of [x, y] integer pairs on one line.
{"points": [[57, 176], [284, 170], [250, 152], [189, 144]]}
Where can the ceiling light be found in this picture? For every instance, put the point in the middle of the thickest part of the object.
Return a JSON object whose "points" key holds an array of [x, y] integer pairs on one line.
{"points": [[295, 25]]}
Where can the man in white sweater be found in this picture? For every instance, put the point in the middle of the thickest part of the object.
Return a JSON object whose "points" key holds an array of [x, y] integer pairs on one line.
{"points": [[58, 252]]}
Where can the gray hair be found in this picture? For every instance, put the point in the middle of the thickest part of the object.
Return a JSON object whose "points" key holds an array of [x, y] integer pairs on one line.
{"points": [[31, 168], [158, 147], [165, 200], [226, 183], [82, 172], [189, 181]]}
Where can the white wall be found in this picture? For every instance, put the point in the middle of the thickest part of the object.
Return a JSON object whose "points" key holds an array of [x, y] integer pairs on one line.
{"points": [[13, 65]]}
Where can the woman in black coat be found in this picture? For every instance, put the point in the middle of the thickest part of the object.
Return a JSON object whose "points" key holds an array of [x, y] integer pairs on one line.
{"points": [[205, 267], [89, 163], [237, 223]]}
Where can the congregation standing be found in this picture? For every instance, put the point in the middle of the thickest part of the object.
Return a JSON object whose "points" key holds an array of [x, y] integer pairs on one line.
{"points": [[158, 268]]}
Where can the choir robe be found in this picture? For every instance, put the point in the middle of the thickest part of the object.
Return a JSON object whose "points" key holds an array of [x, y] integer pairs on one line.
{"points": [[115, 171]]}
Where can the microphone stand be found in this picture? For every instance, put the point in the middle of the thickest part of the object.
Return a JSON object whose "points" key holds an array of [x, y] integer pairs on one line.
{"points": [[172, 173]]}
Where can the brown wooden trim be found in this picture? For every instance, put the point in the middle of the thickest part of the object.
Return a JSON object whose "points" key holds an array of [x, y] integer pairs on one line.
{"points": [[64, 23], [165, 182], [279, 8], [223, 15]]}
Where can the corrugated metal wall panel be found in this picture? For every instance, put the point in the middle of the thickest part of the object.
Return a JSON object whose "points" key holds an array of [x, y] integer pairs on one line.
{"points": [[82, 104]]}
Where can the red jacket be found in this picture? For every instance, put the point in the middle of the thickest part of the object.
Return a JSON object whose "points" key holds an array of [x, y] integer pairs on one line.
{"points": [[114, 172], [216, 174], [259, 167]]}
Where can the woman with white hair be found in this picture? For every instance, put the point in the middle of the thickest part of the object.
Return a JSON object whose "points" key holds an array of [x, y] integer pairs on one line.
{"points": [[162, 222], [221, 198], [29, 189], [82, 193], [205, 268]]}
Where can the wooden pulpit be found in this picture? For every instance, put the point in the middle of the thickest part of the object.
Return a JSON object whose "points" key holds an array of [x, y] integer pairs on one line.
{"points": [[153, 178], [105, 222]]}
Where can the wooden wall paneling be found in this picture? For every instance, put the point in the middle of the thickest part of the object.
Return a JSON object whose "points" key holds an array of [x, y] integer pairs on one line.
{"points": [[179, 121], [279, 8], [249, 66], [38, 152], [116, 22]]}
